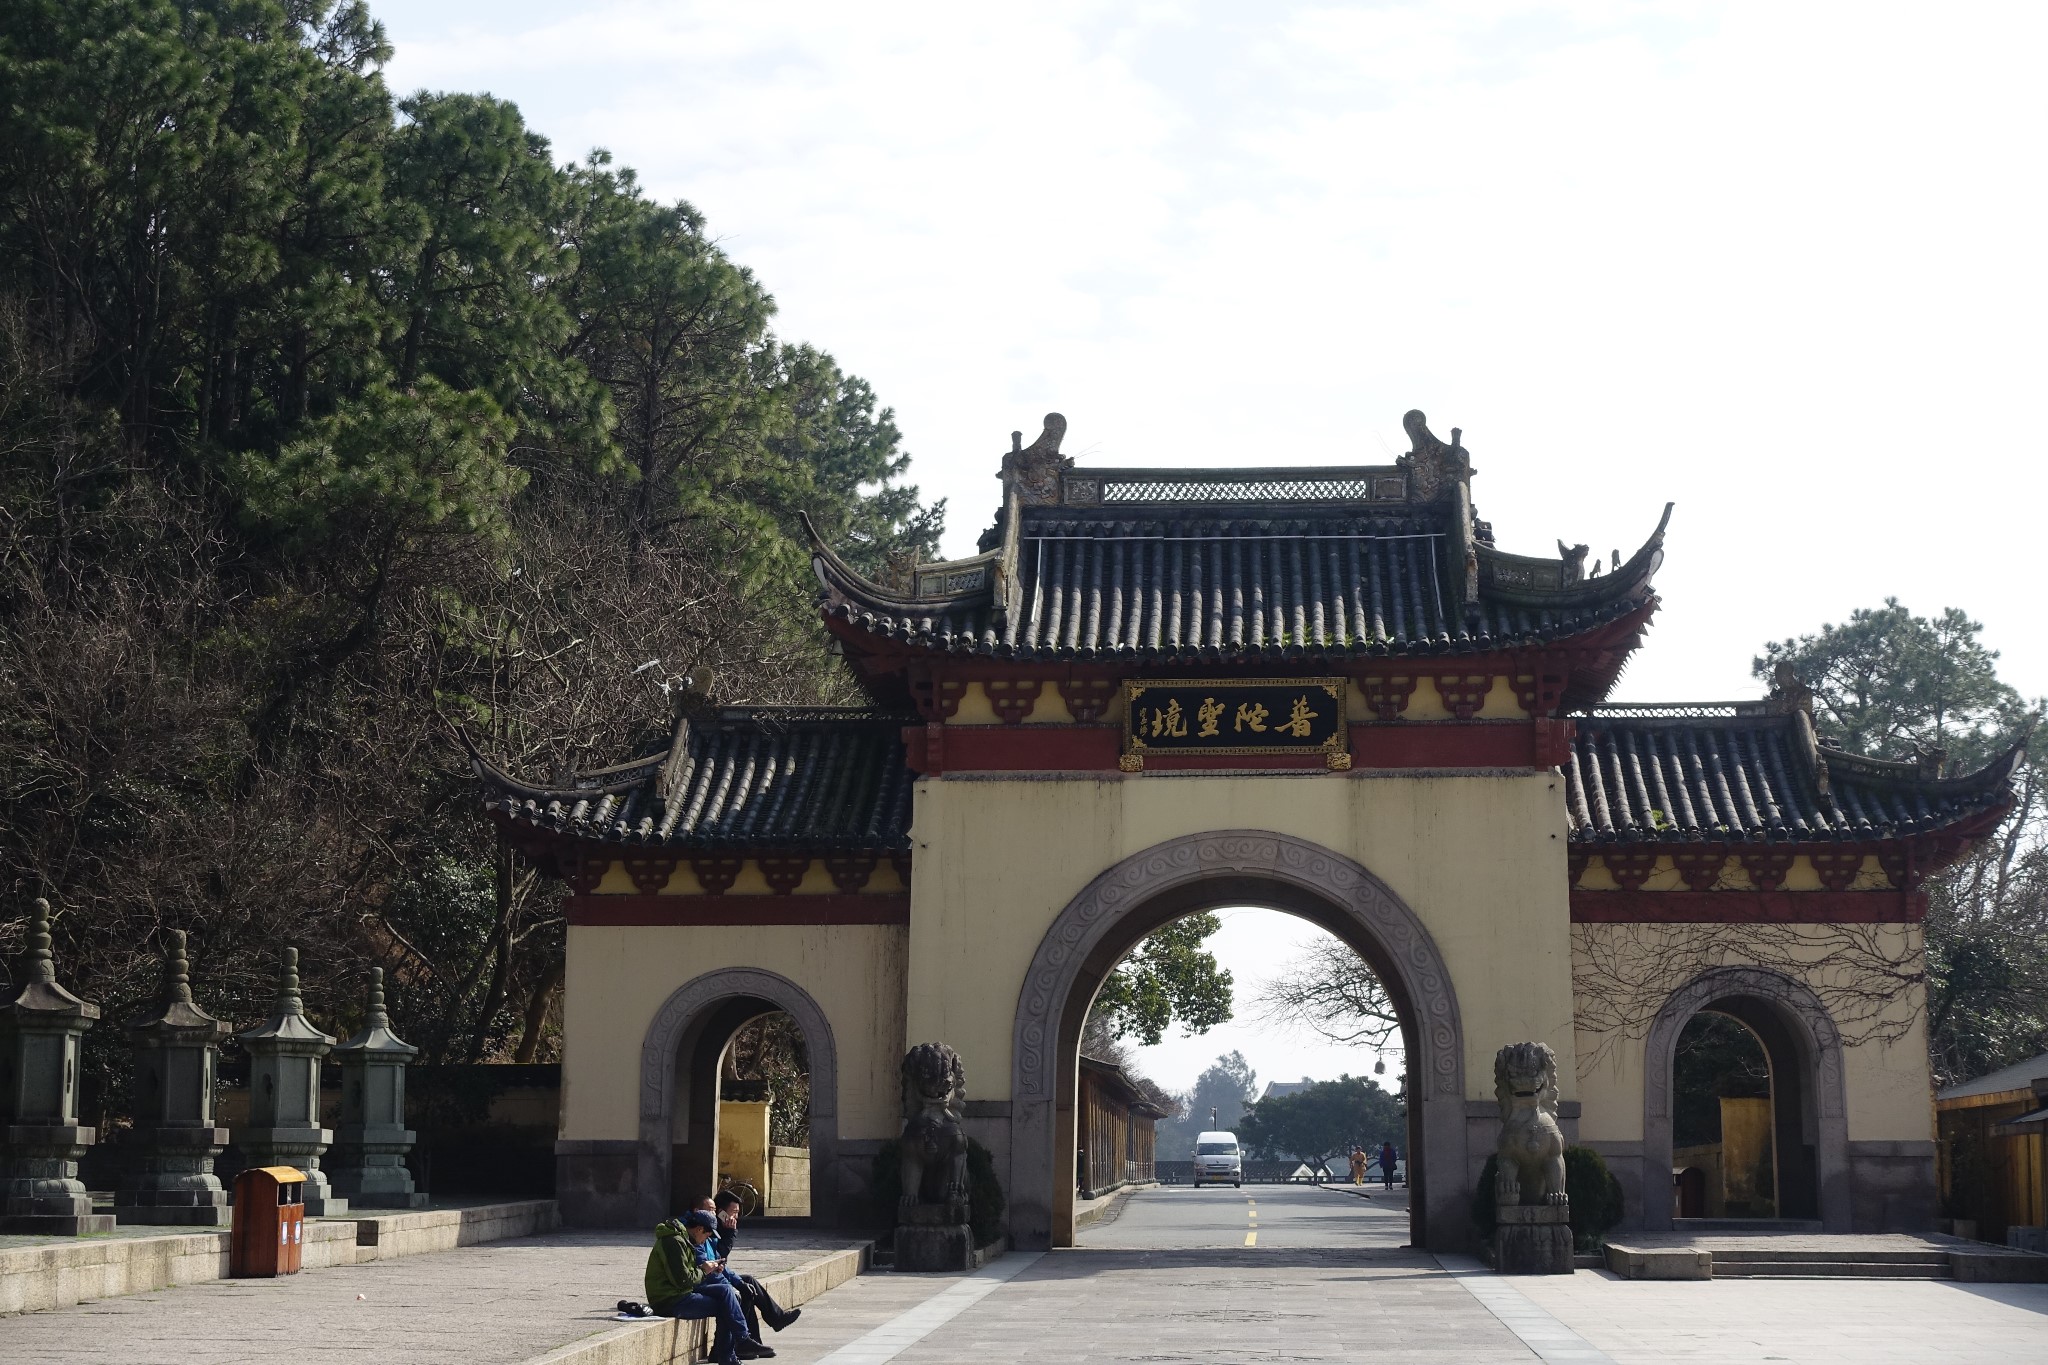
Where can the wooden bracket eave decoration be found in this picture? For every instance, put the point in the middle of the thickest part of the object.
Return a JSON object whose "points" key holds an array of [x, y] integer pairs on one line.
{"points": [[650, 872], [1463, 693], [850, 871], [937, 695], [716, 872], [1630, 868], [1387, 694], [1903, 864], [1700, 869], [1087, 698], [784, 872], [1767, 868], [899, 860], [1836, 868], [1013, 698], [582, 871], [1541, 690]]}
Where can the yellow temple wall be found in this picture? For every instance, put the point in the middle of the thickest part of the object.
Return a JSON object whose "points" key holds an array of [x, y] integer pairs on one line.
{"points": [[619, 976], [1480, 859], [1888, 1088]]}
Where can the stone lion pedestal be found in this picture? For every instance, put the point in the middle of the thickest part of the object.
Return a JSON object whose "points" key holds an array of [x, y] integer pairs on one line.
{"points": [[928, 1239], [1533, 1239]]}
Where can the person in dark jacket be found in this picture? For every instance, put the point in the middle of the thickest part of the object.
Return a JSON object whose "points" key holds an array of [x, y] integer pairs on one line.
{"points": [[679, 1285], [760, 1306], [1388, 1158]]}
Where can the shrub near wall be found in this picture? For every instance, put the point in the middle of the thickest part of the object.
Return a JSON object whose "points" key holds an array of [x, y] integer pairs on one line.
{"points": [[985, 1198], [1594, 1192]]}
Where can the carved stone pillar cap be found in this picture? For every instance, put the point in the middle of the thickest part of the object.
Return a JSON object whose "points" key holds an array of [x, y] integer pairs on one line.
{"points": [[375, 1037], [177, 1018], [287, 1023], [39, 995]]}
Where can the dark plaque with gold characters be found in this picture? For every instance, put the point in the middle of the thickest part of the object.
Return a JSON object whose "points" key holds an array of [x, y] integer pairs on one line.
{"points": [[1297, 716]]}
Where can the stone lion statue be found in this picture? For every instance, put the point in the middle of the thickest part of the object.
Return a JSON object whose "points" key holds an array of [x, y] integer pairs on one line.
{"points": [[934, 1145], [1531, 1143]]}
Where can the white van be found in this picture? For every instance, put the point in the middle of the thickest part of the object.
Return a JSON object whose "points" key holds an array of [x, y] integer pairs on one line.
{"points": [[1217, 1160]]}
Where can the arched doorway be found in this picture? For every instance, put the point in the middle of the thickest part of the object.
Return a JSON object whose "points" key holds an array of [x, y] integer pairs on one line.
{"points": [[679, 1085], [1809, 1124], [1204, 871]]}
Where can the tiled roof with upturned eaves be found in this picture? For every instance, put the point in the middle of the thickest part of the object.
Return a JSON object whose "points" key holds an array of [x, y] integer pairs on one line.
{"points": [[1745, 773], [759, 779], [1202, 585]]}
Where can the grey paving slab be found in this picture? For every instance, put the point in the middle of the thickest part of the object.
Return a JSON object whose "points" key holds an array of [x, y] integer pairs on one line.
{"points": [[486, 1305], [1801, 1322]]}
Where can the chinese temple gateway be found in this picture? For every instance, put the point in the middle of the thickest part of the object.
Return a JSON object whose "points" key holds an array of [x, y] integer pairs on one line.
{"points": [[1321, 690]]}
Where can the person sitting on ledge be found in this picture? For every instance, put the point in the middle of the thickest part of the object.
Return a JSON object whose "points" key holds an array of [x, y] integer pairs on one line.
{"points": [[759, 1304], [679, 1287]]}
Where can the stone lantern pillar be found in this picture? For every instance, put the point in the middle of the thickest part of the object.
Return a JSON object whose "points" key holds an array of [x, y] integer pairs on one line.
{"points": [[284, 1093], [370, 1143], [175, 1138], [41, 1024]]}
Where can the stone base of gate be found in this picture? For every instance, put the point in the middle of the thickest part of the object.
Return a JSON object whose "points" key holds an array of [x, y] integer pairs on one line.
{"points": [[1533, 1239]]}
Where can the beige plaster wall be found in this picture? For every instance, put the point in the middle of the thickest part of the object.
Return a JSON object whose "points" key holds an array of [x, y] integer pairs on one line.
{"points": [[1480, 859], [1888, 1083], [618, 976]]}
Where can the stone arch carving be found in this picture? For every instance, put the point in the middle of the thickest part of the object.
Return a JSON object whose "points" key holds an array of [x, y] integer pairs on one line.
{"points": [[1820, 1041], [1264, 867], [692, 1001]]}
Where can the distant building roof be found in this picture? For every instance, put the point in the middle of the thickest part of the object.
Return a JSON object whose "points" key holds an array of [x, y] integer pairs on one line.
{"points": [[1277, 1089], [2018, 1076]]}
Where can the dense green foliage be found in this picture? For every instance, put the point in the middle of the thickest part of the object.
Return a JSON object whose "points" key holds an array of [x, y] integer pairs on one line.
{"points": [[1324, 1120], [1890, 684], [1596, 1199], [336, 427], [1169, 977]]}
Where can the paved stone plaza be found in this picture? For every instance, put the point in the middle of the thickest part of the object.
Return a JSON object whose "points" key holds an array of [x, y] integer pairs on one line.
{"points": [[505, 1302], [1265, 1273]]}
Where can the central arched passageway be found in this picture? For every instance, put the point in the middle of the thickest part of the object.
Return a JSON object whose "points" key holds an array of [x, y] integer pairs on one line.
{"points": [[1205, 871]]}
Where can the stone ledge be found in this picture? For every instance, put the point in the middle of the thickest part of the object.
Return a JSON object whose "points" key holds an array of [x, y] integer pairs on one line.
{"points": [[35, 1279], [1998, 1267], [1660, 1263], [666, 1341], [413, 1232]]}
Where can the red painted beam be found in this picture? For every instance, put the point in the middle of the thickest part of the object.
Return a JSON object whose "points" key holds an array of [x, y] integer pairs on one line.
{"points": [[878, 908], [1748, 907]]}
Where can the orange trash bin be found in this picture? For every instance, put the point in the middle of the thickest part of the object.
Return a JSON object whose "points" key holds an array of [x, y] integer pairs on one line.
{"points": [[268, 1233]]}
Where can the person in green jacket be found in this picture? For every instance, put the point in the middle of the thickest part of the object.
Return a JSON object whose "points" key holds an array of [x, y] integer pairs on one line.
{"points": [[677, 1286]]}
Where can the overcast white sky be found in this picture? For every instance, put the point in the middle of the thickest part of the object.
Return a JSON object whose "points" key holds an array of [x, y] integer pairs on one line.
{"points": [[1780, 263]]}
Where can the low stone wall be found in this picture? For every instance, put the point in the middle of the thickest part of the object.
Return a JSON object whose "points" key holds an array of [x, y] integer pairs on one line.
{"points": [[34, 1279], [668, 1342], [418, 1231], [789, 1182]]}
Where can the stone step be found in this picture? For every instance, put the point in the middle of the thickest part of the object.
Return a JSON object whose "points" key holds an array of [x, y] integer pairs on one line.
{"points": [[1926, 1268], [1767, 1255], [1718, 1225]]}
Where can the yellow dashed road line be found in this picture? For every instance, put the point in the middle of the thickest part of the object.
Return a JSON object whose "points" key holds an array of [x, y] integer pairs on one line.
{"points": [[1251, 1239]]}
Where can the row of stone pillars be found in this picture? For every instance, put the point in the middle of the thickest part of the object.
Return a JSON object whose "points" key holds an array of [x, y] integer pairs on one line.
{"points": [[175, 1138]]}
